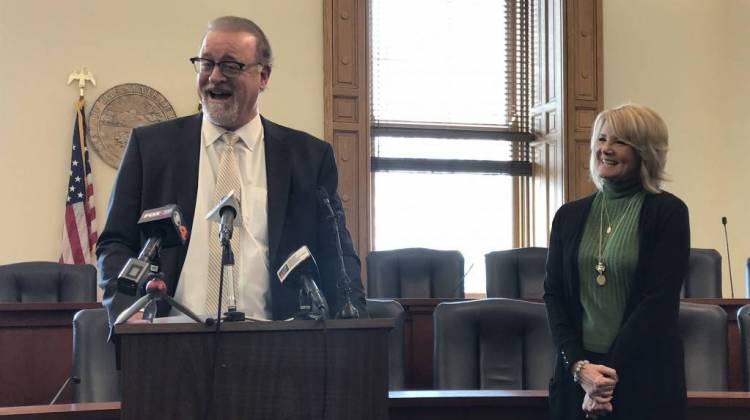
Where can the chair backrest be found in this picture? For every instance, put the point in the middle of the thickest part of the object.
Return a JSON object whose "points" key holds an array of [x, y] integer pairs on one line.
{"points": [[704, 274], [704, 333], [415, 273], [516, 273], [743, 321], [94, 358], [380, 308], [44, 281], [492, 344]]}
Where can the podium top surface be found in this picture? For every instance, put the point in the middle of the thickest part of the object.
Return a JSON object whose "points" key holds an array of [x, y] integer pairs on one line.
{"points": [[179, 325]]}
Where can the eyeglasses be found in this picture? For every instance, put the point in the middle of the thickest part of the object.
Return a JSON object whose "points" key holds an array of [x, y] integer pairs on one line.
{"points": [[228, 68]]}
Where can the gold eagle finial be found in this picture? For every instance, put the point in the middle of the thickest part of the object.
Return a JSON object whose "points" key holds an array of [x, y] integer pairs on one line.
{"points": [[82, 76]]}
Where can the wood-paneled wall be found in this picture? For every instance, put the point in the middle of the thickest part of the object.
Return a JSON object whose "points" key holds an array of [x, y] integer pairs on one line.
{"points": [[347, 116], [568, 94], [584, 88]]}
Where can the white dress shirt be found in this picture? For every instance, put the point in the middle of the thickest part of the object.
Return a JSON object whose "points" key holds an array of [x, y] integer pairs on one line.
{"points": [[252, 290]]}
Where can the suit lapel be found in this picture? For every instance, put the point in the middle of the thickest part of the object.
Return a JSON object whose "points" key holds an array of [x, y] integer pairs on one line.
{"points": [[278, 174], [189, 141]]}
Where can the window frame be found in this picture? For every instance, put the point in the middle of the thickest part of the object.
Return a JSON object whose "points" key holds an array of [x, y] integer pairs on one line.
{"points": [[569, 57]]}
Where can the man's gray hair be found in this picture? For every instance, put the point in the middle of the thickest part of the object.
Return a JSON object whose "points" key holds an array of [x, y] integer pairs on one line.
{"points": [[263, 53]]}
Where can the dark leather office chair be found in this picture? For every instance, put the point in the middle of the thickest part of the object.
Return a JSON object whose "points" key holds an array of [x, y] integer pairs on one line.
{"points": [[704, 274], [704, 333], [519, 273], [380, 308], [492, 344], [94, 358], [415, 273], [743, 321], [44, 281], [516, 273]]}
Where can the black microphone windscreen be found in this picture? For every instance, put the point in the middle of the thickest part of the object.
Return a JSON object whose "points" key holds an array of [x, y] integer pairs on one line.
{"points": [[229, 202], [228, 209], [165, 222], [724, 220]]}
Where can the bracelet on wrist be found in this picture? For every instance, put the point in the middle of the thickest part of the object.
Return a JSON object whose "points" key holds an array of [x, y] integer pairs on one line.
{"points": [[577, 370]]}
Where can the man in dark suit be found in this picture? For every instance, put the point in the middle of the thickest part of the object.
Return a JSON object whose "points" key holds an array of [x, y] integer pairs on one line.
{"points": [[175, 162]]}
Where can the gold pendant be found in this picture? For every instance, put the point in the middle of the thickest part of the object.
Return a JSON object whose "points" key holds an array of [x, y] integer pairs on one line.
{"points": [[601, 280]]}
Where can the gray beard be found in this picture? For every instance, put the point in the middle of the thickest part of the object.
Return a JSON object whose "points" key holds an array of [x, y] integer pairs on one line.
{"points": [[223, 116]]}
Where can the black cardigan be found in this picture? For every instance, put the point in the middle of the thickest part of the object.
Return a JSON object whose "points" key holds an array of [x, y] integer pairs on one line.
{"points": [[647, 352]]}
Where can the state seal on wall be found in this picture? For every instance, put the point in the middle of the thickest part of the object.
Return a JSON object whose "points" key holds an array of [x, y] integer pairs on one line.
{"points": [[119, 110]]}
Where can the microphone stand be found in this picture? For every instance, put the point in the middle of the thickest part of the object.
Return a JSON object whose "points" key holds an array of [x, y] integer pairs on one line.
{"points": [[227, 262], [232, 314], [348, 310], [156, 290], [76, 380], [729, 258]]}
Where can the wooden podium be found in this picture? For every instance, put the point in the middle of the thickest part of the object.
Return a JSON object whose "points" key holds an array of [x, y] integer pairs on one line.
{"points": [[264, 370]]}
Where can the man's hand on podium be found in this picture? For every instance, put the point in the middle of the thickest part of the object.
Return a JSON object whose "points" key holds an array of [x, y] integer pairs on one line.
{"points": [[137, 318]]}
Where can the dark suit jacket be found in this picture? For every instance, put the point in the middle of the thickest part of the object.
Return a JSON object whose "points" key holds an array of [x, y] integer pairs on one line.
{"points": [[647, 352], [160, 167]]}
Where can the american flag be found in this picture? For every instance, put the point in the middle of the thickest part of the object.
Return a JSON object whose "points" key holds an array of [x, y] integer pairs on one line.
{"points": [[79, 229]]}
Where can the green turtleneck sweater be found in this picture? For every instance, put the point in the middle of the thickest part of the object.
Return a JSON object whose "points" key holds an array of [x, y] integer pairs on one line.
{"points": [[618, 205]]}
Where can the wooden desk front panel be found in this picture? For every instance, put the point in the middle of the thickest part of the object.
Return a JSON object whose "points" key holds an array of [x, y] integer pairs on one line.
{"points": [[36, 342], [418, 341]]}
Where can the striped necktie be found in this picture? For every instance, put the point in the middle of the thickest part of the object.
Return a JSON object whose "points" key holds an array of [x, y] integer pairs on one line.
{"points": [[227, 179]]}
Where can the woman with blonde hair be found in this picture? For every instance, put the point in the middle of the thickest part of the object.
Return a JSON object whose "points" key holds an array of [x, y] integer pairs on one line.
{"points": [[616, 263]]}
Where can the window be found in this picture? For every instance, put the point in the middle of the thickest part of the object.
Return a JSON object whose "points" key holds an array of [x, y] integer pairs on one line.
{"points": [[449, 102]]}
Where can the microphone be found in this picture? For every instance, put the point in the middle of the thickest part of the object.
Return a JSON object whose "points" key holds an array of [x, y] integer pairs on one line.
{"points": [[163, 227], [729, 260], [225, 213], [299, 272], [344, 283]]}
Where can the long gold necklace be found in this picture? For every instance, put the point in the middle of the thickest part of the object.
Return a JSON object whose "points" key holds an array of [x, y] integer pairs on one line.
{"points": [[600, 268]]}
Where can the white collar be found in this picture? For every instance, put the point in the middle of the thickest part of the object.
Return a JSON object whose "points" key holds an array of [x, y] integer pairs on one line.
{"points": [[250, 134]]}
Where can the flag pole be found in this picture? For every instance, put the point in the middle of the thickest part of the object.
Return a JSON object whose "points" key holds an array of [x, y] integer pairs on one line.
{"points": [[80, 104], [79, 229]]}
